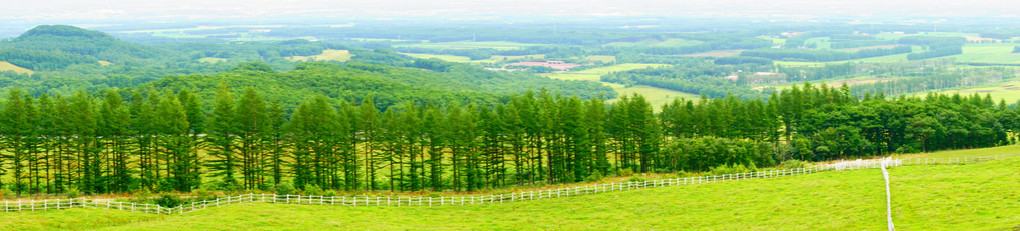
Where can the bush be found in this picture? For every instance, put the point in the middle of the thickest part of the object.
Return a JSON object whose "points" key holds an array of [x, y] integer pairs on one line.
{"points": [[170, 200], [329, 193], [285, 188], [72, 192], [792, 163], [595, 176], [636, 179], [732, 169], [626, 172], [312, 190]]}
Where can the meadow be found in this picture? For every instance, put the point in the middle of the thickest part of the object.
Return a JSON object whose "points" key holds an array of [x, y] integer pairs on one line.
{"points": [[979, 196]]}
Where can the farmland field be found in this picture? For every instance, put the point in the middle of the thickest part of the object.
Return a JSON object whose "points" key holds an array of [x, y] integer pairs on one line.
{"points": [[656, 96], [5, 66], [942, 197], [326, 55]]}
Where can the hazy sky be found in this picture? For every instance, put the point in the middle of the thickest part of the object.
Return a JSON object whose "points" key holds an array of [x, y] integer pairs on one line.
{"points": [[196, 9]]}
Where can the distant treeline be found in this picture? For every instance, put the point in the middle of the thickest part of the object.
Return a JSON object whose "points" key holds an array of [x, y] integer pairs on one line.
{"points": [[822, 55]]}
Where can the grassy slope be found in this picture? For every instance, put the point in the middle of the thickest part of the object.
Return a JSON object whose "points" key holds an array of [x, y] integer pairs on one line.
{"points": [[5, 66], [946, 197]]}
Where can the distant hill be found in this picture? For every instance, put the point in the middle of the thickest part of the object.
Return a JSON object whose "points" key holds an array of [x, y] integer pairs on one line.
{"points": [[53, 47]]}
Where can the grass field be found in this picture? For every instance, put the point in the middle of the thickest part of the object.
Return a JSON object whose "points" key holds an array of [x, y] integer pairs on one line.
{"points": [[327, 55], [1009, 91], [978, 152], [943, 197], [5, 66], [104, 63], [988, 53]]}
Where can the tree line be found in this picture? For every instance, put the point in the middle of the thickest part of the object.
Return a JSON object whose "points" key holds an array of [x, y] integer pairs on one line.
{"points": [[128, 140]]}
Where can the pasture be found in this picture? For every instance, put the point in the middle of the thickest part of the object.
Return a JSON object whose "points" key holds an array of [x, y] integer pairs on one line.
{"points": [[927, 197], [1008, 91], [5, 66]]}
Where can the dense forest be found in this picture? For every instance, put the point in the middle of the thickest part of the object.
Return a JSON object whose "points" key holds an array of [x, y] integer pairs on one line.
{"points": [[165, 140]]}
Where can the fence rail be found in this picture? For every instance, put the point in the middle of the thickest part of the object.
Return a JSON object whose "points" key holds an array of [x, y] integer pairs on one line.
{"points": [[36, 205]]}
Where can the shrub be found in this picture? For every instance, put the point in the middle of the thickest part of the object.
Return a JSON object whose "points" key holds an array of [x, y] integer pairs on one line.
{"points": [[626, 172], [636, 179], [312, 190], [595, 176], [329, 193], [792, 163], [732, 169], [72, 192], [285, 188], [169, 200]]}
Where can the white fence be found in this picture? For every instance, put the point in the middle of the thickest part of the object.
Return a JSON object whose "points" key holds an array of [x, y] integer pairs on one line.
{"points": [[36, 205]]}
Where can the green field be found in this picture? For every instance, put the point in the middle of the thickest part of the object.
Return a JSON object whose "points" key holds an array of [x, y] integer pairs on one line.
{"points": [[5, 66], [988, 53], [979, 152], [1009, 91], [942, 197]]}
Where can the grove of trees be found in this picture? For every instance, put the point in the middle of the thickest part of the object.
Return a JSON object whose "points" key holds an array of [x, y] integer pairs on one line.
{"points": [[128, 140]]}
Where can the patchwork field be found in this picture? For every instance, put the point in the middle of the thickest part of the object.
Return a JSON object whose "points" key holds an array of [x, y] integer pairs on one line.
{"points": [[988, 53], [942, 197], [5, 66]]}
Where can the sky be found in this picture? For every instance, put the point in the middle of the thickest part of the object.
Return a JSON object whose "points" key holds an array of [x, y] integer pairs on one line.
{"points": [[201, 9]]}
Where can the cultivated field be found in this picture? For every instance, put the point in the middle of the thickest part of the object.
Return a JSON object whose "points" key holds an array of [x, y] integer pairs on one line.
{"points": [[5, 66], [979, 196]]}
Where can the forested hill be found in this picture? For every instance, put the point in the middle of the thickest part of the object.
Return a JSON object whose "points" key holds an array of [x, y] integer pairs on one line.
{"points": [[387, 85], [59, 46]]}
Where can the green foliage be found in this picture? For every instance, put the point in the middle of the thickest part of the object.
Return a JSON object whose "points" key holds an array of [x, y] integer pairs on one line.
{"points": [[792, 164], [285, 188], [170, 200], [733, 169], [312, 190]]}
